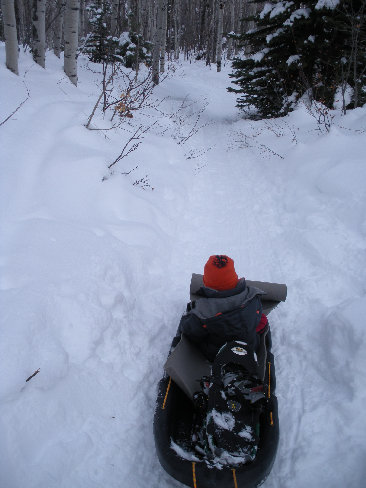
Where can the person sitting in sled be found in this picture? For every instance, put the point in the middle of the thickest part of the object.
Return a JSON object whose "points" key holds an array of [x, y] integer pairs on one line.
{"points": [[228, 309]]}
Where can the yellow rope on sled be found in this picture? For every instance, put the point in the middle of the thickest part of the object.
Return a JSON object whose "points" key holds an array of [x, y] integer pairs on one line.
{"points": [[269, 392], [234, 476], [194, 475], [166, 394]]}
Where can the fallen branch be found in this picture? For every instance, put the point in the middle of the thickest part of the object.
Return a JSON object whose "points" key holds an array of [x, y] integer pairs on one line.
{"points": [[136, 136]]}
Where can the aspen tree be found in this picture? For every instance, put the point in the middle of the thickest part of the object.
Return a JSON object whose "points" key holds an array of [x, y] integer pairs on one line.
{"points": [[71, 24], [39, 32], [220, 26], [10, 31]]}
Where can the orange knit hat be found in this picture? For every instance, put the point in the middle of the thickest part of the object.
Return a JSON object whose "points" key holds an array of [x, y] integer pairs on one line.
{"points": [[219, 273]]}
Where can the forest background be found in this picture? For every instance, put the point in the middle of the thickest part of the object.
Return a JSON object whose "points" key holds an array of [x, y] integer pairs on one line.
{"points": [[281, 51]]}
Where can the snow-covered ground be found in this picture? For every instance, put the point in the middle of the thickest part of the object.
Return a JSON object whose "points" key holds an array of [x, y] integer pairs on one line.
{"points": [[95, 272]]}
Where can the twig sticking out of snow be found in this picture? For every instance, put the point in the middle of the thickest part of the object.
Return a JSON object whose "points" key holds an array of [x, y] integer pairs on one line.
{"points": [[33, 375]]}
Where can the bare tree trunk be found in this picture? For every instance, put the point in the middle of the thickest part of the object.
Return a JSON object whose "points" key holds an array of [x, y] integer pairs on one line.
{"points": [[39, 32], [82, 19], [71, 39], [210, 34], [149, 27], [176, 28], [138, 32], [131, 15], [230, 47], [20, 20], [157, 43], [114, 18], [163, 35], [10, 31], [220, 26], [57, 38]]}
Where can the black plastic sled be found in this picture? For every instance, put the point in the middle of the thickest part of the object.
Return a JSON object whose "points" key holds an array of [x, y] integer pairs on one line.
{"points": [[176, 412]]}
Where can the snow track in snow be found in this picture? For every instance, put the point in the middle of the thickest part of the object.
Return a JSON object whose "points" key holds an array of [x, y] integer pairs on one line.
{"points": [[95, 276]]}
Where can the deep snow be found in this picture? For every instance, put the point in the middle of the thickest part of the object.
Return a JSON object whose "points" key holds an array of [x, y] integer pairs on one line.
{"points": [[95, 274]]}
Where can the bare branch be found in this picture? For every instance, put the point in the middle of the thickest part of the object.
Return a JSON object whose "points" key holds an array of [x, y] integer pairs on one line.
{"points": [[105, 84], [131, 145]]}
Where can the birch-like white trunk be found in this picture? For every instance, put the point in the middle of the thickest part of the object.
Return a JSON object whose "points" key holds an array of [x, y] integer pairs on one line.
{"points": [[57, 37], [39, 31], [10, 32], [220, 27], [71, 25]]}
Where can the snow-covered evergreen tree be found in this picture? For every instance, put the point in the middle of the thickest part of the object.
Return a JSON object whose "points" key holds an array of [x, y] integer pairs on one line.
{"points": [[348, 50], [133, 48], [99, 45], [297, 48], [103, 47]]}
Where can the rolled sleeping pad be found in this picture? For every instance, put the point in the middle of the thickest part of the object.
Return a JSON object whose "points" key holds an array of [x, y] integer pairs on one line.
{"points": [[274, 292]]}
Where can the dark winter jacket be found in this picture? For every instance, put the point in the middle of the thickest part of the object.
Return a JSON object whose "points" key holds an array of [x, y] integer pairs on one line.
{"points": [[222, 316]]}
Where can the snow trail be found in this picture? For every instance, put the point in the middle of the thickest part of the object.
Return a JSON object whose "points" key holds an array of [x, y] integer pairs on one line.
{"points": [[95, 276], [243, 206]]}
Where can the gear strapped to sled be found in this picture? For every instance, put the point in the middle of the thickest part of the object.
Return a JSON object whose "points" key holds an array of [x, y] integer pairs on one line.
{"points": [[237, 413]]}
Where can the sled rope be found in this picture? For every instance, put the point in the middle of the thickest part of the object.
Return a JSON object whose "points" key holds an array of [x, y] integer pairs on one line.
{"points": [[194, 475], [269, 391], [235, 482], [167, 391]]}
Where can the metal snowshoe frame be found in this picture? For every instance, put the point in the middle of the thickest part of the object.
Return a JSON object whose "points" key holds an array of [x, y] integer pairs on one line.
{"points": [[236, 392]]}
